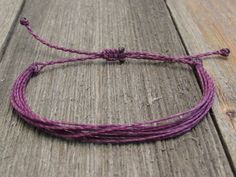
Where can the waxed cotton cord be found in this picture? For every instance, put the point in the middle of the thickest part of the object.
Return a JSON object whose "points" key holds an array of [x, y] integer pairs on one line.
{"points": [[152, 130]]}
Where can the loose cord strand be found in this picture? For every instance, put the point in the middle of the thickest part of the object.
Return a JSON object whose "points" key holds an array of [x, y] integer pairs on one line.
{"points": [[114, 54], [152, 130]]}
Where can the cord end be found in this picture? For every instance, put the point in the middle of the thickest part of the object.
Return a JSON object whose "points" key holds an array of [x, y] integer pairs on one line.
{"points": [[224, 52], [24, 21]]}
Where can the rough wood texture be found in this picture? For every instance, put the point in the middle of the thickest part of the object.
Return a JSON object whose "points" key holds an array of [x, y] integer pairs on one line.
{"points": [[101, 92], [210, 24], [9, 10]]}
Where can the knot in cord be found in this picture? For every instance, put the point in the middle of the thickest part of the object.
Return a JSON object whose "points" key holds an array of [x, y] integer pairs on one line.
{"points": [[36, 67], [24, 21], [114, 54], [224, 52]]}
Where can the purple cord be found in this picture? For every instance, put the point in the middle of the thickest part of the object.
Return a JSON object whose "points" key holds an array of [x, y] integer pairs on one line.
{"points": [[153, 130]]}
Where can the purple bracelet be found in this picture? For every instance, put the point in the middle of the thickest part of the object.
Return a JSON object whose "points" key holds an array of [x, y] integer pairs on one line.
{"points": [[152, 130]]}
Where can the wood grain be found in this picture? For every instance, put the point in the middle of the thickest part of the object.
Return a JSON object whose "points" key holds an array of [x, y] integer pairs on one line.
{"points": [[208, 25], [101, 92], [9, 11]]}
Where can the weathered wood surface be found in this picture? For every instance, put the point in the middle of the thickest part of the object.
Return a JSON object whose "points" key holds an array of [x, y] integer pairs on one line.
{"points": [[101, 92], [211, 24], [9, 10]]}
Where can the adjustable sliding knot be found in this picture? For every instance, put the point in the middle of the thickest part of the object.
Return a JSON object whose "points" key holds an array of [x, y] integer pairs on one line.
{"points": [[114, 54], [24, 21], [224, 52]]}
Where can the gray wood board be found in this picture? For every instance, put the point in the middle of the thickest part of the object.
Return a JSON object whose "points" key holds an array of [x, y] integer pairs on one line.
{"points": [[9, 10], [101, 92], [216, 32]]}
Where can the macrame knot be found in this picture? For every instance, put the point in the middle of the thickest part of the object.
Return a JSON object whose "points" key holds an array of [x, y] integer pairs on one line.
{"points": [[224, 52], [24, 21], [114, 54]]}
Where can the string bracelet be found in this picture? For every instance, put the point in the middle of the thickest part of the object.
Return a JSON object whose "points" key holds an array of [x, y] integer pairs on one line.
{"points": [[151, 130]]}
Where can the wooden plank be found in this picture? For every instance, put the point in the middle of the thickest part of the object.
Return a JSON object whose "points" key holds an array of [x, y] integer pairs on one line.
{"points": [[101, 92], [9, 10], [206, 25]]}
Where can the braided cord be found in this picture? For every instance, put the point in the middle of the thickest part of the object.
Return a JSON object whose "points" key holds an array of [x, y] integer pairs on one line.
{"points": [[152, 130]]}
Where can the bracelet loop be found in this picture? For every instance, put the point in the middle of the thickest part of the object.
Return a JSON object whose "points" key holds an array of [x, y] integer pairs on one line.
{"points": [[152, 130]]}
